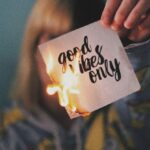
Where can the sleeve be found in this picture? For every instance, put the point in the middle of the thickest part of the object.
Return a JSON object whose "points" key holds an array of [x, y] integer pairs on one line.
{"points": [[139, 55], [134, 110]]}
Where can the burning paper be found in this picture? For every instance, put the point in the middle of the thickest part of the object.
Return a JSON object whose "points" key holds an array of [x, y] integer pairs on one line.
{"points": [[88, 68]]}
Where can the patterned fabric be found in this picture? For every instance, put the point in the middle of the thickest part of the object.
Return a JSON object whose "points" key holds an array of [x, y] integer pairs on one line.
{"points": [[124, 125], [45, 134]]}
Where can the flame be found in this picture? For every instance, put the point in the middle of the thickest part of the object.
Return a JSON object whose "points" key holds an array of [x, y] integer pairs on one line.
{"points": [[51, 89], [74, 91], [73, 109], [63, 97], [49, 63], [69, 79], [67, 86]]}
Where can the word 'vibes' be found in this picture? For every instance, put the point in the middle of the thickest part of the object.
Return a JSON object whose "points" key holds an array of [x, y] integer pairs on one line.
{"points": [[97, 66]]}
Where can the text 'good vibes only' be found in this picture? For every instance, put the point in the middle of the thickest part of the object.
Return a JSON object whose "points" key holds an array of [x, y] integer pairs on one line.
{"points": [[97, 66]]}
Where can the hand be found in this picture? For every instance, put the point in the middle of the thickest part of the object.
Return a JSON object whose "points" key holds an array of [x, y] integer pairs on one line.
{"points": [[131, 18]]}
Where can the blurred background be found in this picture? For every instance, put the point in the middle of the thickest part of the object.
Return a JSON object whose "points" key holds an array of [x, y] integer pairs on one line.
{"points": [[13, 15]]}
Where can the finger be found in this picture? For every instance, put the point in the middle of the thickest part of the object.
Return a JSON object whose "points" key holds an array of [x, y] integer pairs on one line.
{"points": [[122, 13], [139, 35], [109, 11], [135, 15]]}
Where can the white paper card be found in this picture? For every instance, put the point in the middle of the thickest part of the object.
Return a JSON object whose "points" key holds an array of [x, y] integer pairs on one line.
{"points": [[103, 71]]}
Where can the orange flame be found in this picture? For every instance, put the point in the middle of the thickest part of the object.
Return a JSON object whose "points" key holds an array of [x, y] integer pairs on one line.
{"points": [[67, 86]]}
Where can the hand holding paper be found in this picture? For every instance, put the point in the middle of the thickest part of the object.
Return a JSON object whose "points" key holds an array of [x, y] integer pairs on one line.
{"points": [[88, 69]]}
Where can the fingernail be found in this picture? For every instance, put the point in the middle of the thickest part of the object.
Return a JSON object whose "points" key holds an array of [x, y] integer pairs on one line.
{"points": [[115, 26], [127, 25]]}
